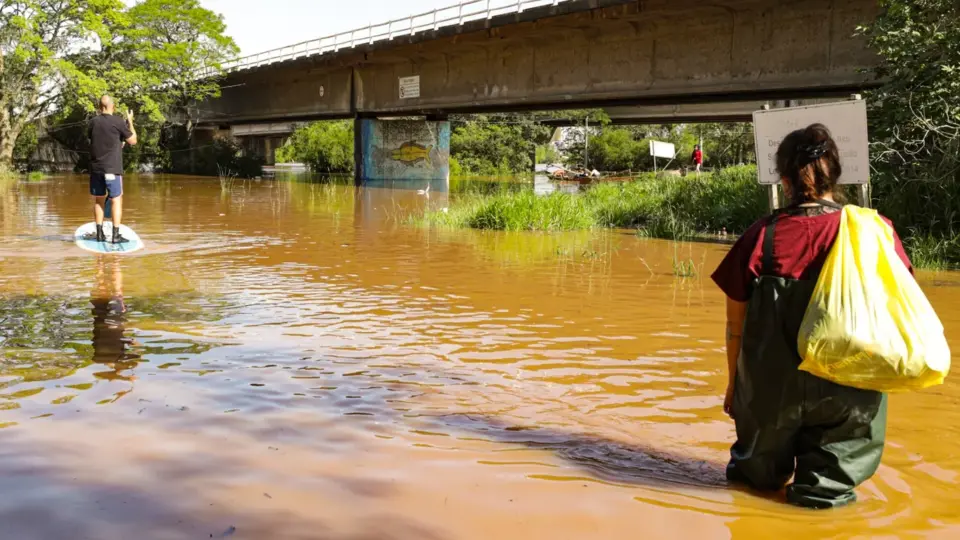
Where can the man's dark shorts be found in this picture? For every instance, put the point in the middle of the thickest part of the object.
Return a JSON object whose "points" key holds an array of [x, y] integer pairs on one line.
{"points": [[102, 186]]}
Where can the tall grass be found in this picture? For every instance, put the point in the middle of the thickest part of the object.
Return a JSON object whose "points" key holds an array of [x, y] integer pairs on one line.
{"points": [[931, 251], [227, 179], [659, 206], [522, 211]]}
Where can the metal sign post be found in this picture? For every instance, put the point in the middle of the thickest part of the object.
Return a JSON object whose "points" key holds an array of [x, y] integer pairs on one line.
{"points": [[863, 195]]}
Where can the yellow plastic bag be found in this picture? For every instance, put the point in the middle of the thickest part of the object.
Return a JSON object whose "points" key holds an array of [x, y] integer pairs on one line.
{"points": [[868, 324]]}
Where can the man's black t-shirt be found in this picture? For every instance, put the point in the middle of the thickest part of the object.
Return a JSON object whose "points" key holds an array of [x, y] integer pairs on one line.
{"points": [[107, 134]]}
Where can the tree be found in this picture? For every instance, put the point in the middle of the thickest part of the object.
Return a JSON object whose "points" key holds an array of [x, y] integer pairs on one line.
{"points": [[38, 41], [497, 144], [153, 65], [483, 148], [327, 146], [615, 149], [726, 145], [148, 57], [172, 42], [915, 116]]}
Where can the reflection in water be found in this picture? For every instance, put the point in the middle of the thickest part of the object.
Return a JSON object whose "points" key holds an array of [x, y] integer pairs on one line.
{"points": [[544, 185], [310, 366], [109, 321]]}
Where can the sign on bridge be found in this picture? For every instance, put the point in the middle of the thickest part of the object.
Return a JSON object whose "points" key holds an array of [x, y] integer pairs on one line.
{"points": [[846, 120], [410, 87]]}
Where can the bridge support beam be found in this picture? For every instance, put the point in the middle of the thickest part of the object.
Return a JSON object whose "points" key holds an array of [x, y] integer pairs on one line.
{"points": [[401, 150]]}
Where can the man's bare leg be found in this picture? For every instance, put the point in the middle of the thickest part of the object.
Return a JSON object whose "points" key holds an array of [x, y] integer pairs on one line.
{"points": [[116, 209], [98, 203]]}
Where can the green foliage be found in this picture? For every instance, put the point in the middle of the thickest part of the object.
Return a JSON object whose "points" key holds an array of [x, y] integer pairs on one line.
{"points": [[662, 206], [26, 142], [169, 42], [684, 268], [224, 157], [489, 149], [726, 145], [932, 252], [38, 44], [677, 207], [59, 57], [325, 146], [456, 170], [35, 176], [627, 148], [547, 154], [523, 211], [915, 123], [615, 149]]}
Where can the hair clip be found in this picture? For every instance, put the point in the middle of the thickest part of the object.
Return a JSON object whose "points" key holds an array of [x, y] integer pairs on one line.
{"points": [[814, 152]]}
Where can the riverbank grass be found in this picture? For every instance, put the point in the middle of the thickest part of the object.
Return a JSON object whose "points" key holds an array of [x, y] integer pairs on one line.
{"points": [[7, 175], [658, 206], [519, 211], [931, 252]]}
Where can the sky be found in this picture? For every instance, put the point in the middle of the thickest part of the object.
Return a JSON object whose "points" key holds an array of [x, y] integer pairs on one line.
{"points": [[260, 25]]}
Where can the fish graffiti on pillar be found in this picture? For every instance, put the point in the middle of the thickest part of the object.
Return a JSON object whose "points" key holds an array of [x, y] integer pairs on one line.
{"points": [[404, 149], [411, 153]]}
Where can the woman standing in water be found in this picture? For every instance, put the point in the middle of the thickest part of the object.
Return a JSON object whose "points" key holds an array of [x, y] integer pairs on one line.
{"points": [[829, 437]]}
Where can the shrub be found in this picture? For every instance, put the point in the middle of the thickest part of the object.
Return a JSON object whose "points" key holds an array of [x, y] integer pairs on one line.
{"points": [[326, 146], [663, 206]]}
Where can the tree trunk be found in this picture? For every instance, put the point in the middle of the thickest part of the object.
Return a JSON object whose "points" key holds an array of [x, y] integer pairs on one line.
{"points": [[8, 138], [6, 153]]}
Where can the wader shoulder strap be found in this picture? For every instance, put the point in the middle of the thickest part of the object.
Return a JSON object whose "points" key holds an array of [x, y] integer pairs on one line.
{"points": [[831, 204], [766, 260]]}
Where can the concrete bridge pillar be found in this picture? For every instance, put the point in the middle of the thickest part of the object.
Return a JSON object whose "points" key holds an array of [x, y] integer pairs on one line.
{"points": [[400, 150]]}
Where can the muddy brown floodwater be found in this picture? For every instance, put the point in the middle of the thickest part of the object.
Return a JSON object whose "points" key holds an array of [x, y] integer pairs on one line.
{"points": [[294, 361]]}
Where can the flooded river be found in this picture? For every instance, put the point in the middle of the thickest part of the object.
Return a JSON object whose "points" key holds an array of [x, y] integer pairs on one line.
{"points": [[293, 360]]}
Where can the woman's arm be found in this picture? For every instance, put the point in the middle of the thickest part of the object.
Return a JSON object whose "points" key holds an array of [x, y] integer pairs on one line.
{"points": [[736, 313]]}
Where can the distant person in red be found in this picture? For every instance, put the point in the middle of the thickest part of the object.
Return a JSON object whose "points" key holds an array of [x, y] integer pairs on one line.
{"points": [[697, 157]]}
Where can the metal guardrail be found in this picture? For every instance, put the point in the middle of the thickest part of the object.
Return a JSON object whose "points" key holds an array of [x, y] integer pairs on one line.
{"points": [[466, 11]]}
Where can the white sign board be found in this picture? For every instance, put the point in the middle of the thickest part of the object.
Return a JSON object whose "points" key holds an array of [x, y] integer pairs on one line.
{"points": [[662, 149], [846, 120], [410, 87]]}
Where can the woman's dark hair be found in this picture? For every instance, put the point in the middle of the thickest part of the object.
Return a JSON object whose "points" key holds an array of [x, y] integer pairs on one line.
{"points": [[810, 161]]}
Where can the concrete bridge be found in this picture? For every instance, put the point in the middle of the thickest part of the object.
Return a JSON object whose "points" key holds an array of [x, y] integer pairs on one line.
{"points": [[654, 55]]}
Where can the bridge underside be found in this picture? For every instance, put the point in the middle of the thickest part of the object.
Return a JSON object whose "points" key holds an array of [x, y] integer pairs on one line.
{"points": [[650, 52]]}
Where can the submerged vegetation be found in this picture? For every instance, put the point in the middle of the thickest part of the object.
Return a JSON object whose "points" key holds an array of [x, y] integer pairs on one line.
{"points": [[7, 175], [661, 206]]}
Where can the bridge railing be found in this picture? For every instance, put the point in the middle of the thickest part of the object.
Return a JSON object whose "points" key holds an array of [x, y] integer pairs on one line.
{"points": [[465, 11]]}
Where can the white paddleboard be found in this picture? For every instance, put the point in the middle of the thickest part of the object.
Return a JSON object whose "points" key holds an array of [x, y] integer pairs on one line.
{"points": [[85, 238]]}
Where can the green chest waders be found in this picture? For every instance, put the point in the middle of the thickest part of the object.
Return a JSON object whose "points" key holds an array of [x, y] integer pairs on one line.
{"points": [[830, 437]]}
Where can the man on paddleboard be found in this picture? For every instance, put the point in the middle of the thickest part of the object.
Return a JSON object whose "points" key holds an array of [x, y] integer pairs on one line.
{"points": [[107, 135]]}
